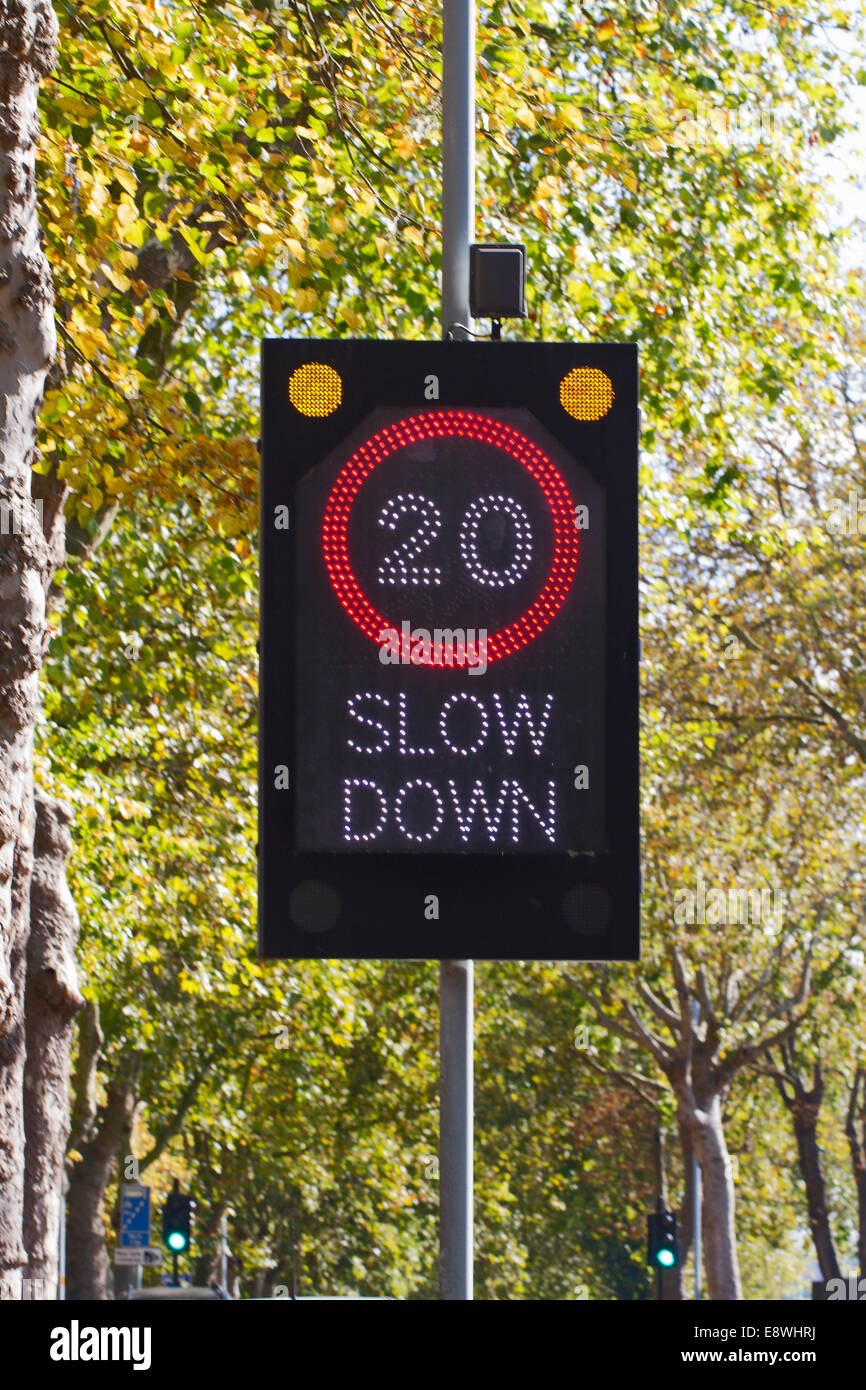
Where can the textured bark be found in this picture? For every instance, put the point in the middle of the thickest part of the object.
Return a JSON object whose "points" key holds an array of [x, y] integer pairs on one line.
{"points": [[701, 1088], [28, 36], [803, 1106], [88, 1274], [85, 1075], [857, 1147], [718, 1232], [13, 1255], [207, 1239], [52, 1000]]}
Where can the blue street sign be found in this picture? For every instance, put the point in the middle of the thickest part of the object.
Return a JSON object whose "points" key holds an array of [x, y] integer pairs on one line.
{"points": [[134, 1215]]}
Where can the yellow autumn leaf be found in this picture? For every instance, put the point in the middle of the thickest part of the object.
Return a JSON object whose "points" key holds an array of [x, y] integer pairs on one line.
{"points": [[381, 246], [269, 238], [305, 300], [606, 29], [117, 277], [126, 179], [406, 146], [525, 116], [415, 236], [87, 345], [97, 199], [271, 296], [548, 187]]}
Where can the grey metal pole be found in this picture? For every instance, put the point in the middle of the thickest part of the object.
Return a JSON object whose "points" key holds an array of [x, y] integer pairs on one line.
{"points": [[61, 1243], [458, 159], [455, 1129], [456, 976]]}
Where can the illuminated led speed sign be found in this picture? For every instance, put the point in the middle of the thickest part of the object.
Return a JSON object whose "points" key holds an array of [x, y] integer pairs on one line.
{"points": [[449, 651]]}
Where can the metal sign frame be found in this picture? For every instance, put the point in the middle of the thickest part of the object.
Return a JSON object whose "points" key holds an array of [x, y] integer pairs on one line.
{"points": [[512, 905]]}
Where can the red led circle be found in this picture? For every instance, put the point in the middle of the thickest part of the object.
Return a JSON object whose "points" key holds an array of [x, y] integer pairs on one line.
{"points": [[444, 424]]}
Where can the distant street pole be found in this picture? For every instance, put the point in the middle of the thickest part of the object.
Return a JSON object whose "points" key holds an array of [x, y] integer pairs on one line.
{"points": [[224, 1251], [661, 1194], [61, 1242], [456, 976]]}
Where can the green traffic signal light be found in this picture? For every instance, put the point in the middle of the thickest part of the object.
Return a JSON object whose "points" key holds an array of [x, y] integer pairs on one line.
{"points": [[176, 1216], [663, 1247]]}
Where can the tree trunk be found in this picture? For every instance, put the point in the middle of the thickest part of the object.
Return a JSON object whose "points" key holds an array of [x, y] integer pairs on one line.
{"points": [[87, 1268], [804, 1107], [13, 1256], [52, 1000], [28, 37], [857, 1147], [208, 1241], [806, 1134], [717, 1204]]}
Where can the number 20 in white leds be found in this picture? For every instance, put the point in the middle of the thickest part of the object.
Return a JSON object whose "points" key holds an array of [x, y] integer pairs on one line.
{"points": [[398, 565]]}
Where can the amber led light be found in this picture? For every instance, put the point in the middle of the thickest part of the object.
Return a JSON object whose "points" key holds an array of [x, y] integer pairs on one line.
{"points": [[586, 393], [315, 389]]}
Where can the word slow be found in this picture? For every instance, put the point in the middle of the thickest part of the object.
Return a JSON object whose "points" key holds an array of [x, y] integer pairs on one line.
{"points": [[466, 725]]}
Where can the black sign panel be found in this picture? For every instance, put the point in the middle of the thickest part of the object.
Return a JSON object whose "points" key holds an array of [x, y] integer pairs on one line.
{"points": [[449, 651]]}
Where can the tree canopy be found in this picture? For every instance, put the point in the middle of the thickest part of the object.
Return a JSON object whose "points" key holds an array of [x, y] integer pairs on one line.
{"points": [[210, 174]]}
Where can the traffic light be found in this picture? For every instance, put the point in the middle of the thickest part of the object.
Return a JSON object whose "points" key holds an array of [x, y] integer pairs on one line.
{"points": [[663, 1247], [176, 1218], [449, 651]]}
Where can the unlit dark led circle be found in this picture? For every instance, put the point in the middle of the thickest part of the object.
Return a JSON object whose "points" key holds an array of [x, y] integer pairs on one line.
{"points": [[314, 906], [587, 908]]}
